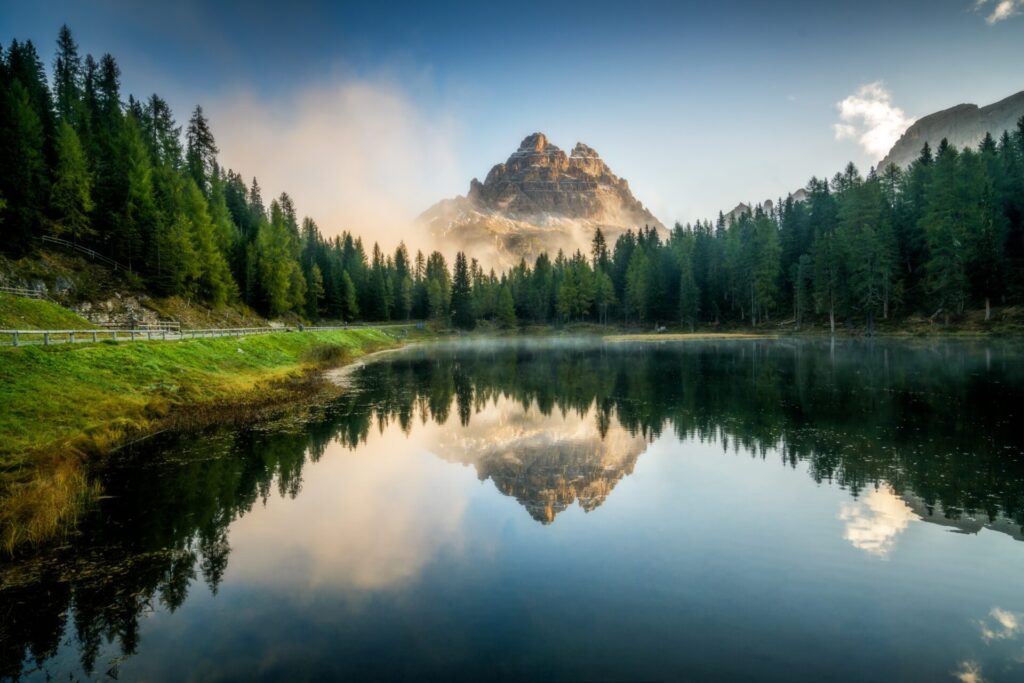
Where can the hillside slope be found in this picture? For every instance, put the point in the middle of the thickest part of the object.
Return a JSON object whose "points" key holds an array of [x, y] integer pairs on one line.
{"points": [[19, 313]]}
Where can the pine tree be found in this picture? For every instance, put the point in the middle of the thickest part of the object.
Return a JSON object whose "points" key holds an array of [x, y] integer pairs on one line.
{"points": [[505, 310], [23, 175], [985, 226], [136, 215], [637, 286], [213, 283], [867, 248], [71, 193], [599, 251], [689, 296], [349, 298], [604, 295], [201, 150], [67, 78], [163, 135], [439, 287], [945, 231], [462, 300]]}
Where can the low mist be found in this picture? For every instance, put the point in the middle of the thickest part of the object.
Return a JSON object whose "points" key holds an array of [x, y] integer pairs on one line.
{"points": [[354, 155]]}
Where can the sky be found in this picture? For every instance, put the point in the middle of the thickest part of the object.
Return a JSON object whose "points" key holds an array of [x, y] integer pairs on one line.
{"points": [[368, 113]]}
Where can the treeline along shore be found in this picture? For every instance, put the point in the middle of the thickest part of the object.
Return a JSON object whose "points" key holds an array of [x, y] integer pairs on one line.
{"points": [[934, 240]]}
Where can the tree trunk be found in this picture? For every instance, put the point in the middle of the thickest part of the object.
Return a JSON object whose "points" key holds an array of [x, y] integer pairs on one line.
{"points": [[832, 319], [988, 309]]}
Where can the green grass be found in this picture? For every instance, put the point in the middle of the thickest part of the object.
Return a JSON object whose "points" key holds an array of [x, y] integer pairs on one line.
{"points": [[51, 394], [19, 313], [61, 404]]}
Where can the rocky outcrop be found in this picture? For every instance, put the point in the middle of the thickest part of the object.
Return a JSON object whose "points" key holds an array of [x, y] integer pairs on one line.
{"points": [[540, 199], [126, 311], [963, 125]]}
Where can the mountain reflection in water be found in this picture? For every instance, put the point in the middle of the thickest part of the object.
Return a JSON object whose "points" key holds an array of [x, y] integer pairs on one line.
{"points": [[914, 433]]}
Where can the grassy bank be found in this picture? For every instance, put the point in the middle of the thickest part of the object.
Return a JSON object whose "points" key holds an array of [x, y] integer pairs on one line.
{"points": [[60, 405], [19, 313]]}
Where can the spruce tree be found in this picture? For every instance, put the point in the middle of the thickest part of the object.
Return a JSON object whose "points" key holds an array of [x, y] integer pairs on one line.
{"points": [[71, 193], [201, 150], [462, 300], [67, 78], [505, 312], [23, 175]]}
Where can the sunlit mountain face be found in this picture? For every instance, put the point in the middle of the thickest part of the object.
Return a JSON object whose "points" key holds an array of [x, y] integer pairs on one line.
{"points": [[495, 480]]}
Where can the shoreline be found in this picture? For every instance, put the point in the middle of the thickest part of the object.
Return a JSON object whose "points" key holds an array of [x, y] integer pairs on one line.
{"points": [[68, 406], [48, 444]]}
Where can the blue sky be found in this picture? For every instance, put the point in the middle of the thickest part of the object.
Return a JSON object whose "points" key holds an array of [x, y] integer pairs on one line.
{"points": [[699, 105]]}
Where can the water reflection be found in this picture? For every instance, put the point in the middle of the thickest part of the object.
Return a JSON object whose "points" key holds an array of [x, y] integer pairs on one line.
{"points": [[874, 522], [1001, 624], [912, 433], [395, 511], [546, 461]]}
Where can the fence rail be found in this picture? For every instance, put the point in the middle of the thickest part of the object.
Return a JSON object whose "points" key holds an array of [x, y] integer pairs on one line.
{"points": [[91, 253], [49, 337], [158, 326], [24, 292]]}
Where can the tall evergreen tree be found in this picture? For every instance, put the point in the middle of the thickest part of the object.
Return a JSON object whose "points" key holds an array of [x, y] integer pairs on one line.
{"points": [[67, 78], [201, 150], [71, 193], [462, 301]]}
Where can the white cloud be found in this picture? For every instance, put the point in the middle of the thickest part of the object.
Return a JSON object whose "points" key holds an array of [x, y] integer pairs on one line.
{"points": [[969, 672], [354, 154], [869, 117], [874, 523], [1001, 625], [998, 10]]}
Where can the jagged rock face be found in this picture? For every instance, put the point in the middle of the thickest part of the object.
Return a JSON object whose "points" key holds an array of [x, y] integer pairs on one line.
{"points": [[540, 199], [963, 125]]}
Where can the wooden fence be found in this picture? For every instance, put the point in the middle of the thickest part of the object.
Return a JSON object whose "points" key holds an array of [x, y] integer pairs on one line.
{"points": [[91, 253], [48, 337], [24, 292]]}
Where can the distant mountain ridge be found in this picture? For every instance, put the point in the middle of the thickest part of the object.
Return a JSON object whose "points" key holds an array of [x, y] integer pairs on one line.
{"points": [[539, 199], [963, 125]]}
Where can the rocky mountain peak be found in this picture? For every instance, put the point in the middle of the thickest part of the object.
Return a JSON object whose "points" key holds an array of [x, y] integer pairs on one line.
{"points": [[963, 125], [536, 142], [539, 199]]}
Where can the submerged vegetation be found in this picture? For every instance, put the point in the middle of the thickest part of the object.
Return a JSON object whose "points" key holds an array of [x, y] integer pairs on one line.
{"points": [[63, 404]]}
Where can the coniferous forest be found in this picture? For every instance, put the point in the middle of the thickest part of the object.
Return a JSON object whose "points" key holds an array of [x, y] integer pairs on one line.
{"points": [[118, 174]]}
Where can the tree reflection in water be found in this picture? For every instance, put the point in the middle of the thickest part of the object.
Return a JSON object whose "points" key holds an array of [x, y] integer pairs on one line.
{"points": [[928, 430]]}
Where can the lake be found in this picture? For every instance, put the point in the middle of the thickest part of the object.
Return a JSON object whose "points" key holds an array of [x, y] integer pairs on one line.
{"points": [[565, 510]]}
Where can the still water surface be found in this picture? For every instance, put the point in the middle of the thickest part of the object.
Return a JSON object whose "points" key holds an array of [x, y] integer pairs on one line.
{"points": [[790, 511]]}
